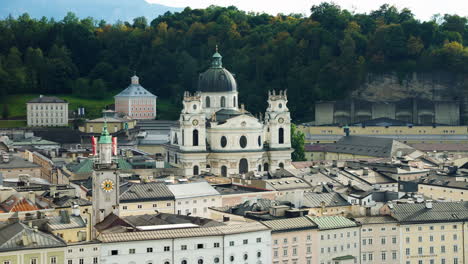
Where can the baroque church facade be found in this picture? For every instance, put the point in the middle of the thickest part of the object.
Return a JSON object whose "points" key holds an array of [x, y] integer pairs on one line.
{"points": [[214, 134]]}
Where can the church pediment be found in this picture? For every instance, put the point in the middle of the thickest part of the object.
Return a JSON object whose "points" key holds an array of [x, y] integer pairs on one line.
{"points": [[241, 121]]}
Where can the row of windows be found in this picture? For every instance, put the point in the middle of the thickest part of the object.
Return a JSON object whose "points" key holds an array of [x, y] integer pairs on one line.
{"points": [[348, 234], [47, 121], [431, 238], [185, 247], [383, 241], [383, 256], [47, 107], [420, 228], [431, 261], [294, 240], [47, 114], [381, 229], [431, 250], [81, 261], [222, 104], [335, 248], [140, 206]]}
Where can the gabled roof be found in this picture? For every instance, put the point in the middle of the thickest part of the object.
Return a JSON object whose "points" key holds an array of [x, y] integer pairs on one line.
{"points": [[17, 236], [195, 189], [332, 222], [68, 201], [146, 192], [290, 224], [59, 223], [18, 203], [368, 146], [315, 200], [440, 212]]}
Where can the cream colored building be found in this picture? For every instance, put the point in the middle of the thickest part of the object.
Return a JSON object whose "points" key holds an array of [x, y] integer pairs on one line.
{"points": [[444, 188], [47, 111], [146, 198], [380, 240], [405, 134], [431, 232], [292, 240]]}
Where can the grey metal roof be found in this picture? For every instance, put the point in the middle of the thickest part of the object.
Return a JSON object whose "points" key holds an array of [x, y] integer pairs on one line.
{"points": [[444, 181], [57, 223], [195, 189], [135, 90], [47, 99], [17, 162], [368, 146], [290, 224], [314, 200], [68, 201], [182, 233], [18, 236], [146, 192], [368, 220], [440, 212], [332, 222]]}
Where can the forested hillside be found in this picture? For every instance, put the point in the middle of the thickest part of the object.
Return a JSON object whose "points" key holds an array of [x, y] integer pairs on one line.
{"points": [[321, 57]]}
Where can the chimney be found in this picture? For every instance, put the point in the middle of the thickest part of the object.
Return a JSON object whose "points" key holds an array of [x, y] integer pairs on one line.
{"points": [[365, 172], [346, 130], [25, 239], [429, 204], [76, 210], [32, 197], [334, 163]]}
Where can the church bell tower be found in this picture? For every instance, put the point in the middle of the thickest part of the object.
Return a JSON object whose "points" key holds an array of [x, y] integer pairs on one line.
{"points": [[106, 180]]}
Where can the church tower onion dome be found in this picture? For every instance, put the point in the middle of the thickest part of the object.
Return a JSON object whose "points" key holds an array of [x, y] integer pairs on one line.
{"points": [[216, 78]]}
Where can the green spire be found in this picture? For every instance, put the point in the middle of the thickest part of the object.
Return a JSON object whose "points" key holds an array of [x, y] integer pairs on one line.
{"points": [[217, 60], [105, 138]]}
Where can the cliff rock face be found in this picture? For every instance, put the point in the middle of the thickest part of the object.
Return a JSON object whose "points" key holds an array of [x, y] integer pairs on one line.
{"points": [[437, 86]]}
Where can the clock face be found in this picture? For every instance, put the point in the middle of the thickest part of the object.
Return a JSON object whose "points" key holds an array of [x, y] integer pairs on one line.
{"points": [[107, 185], [195, 122], [281, 120]]}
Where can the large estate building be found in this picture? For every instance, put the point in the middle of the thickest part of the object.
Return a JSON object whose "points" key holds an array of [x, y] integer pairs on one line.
{"points": [[214, 133], [47, 111], [136, 102]]}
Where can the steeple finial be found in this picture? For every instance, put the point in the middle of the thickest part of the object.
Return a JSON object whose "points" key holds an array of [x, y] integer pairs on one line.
{"points": [[217, 59]]}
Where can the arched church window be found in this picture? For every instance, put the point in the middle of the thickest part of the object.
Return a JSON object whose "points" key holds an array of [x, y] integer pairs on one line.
{"points": [[243, 142], [281, 165], [265, 167], [194, 107], [259, 141], [223, 101], [234, 101], [183, 138], [223, 141], [259, 168], [280, 135], [224, 171], [243, 166], [208, 166], [207, 102], [195, 137], [195, 170]]}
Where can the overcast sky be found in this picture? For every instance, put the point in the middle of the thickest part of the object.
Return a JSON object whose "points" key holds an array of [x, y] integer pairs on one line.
{"points": [[423, 9]]}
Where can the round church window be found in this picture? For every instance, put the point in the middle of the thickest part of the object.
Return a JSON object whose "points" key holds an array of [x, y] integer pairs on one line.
{"points": [[280, 105], [223, 141], [243, 142]]}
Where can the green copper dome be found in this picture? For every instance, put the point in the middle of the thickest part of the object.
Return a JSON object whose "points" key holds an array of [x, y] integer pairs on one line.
{"points": [[105, 137]]}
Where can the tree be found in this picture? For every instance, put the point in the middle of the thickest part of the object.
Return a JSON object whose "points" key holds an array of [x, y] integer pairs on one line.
{"points": [[5, 111], [297, 143]]}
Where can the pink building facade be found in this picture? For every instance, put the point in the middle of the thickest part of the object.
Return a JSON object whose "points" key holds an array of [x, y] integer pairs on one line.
{"points": [[136, 102]]}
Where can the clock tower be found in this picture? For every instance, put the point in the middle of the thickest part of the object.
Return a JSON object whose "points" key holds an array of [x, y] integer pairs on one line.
{"points": [[105, 179]]}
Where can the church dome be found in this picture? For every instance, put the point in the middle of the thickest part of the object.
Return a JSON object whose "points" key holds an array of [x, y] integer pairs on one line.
{"points": [[216, 78]]}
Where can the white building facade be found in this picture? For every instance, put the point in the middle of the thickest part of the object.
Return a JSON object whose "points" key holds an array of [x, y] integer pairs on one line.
{"points": [[195, 198], [214, 134], [45, 111], [136, 102], [83, 253], [247, 243]]}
